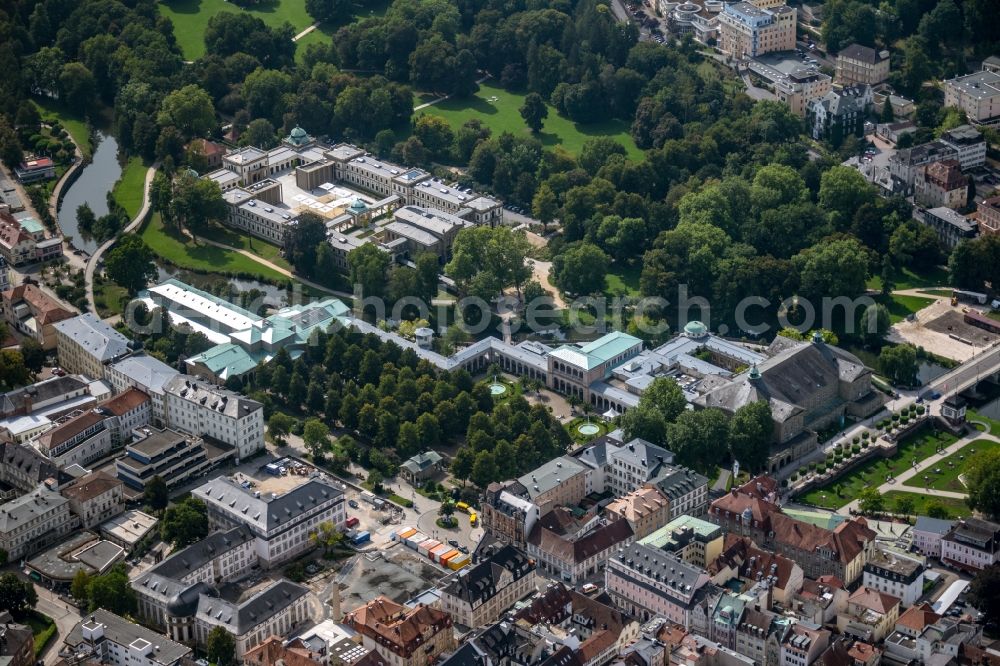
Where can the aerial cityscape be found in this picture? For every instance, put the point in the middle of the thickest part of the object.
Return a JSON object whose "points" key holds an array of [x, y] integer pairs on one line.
{"points": [[450, 333]]}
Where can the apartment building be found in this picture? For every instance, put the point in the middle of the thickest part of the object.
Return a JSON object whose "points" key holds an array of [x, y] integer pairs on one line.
{"points": [[864, 65], [695, 541], [840, 113], [896, 575], [742, 561], [977, 94], [400, 635], [575, 548], [23, 469], [95, 498], [34, 521], [23, 241], [33, 313], [971, 544], [988, 213], [903, 164], [803, 645], [507, 516], [281, 524], [645, 509], [176, 457], [940, 184], [477, 596], [870, 616], [200, 408], [111, 639], [927, 534], [85, 345], [558, 482], [685, 489], [146, 373], [969, 143], [951, 226], [646, 581], [748, 31]]}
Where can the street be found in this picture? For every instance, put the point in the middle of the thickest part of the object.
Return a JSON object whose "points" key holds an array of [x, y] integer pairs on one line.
{"points": [[65, 617]]}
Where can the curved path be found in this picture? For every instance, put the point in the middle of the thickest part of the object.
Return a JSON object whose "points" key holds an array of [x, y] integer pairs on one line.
{"points": [[130, 227]]}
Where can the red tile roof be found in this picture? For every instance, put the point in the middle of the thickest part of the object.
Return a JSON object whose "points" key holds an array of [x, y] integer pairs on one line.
{"points": [[125, 402], [397, 627], [872, 599], [737, 554], [45, 309], [917, 617]]}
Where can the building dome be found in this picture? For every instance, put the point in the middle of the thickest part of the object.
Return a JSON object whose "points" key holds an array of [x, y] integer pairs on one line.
{"points": [[358, 206], [298, 136], [185, 603], [695, 329]]}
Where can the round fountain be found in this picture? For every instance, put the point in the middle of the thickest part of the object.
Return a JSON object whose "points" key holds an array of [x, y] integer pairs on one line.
{"points": [[497, 388]]}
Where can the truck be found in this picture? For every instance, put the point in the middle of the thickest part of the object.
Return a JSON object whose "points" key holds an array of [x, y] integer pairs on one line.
{"points": [[352, 521], [462, 506], [473, 519], [371, 498], [968, 297]]}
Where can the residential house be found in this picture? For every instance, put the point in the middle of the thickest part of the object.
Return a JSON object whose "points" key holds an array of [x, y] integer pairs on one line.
{"points": [[502, 644], [420, 467], [820, 601], [927, 534], [477, 596], [951, 226], [972, 544], [747, 30], [940, 183], [34, 169], [111, 639], [741, 560], [970, 144], [86, 344], [892, 132], [895, 574], [400, 635], [645, 509], [685, 489], [840, 113], [864, 65], [901, 644], [17, 642], [977, 94], [803, 644], [34, 521], [34, 313], [95, 498], [507, 516], [22, 468], [989, 216], [870, 615], [942, 642], [904, 163], [125, 413], [281, 523], [575, 548]]}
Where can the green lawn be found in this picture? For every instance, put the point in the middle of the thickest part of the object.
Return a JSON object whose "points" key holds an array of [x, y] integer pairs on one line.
{"points": [[190, 18], [108, 297], [42, 627], [900, 307], [845, 489], [325, 31], [129, 188], [74, 123], [202, 258], [503, 116], [951, 467], [973, 415], [624, 281], [956, 508], [261, 248], [906, 278]]}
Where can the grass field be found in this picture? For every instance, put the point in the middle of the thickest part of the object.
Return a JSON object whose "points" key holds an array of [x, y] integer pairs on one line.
{"points": [[129, 188], [873, 473], [261, 248], [951, 467], [75, 124], [503, 116], [190, 18], [900, 306], [906, 278], [624, 281], [108, 297], [956, 508], [202, 258]]}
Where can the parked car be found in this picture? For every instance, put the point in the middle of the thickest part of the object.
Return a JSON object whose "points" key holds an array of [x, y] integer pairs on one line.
{"points": [[453, 543], [353, 504]]}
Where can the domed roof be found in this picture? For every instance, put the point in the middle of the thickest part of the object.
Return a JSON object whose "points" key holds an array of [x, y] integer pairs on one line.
{"points": [[298, 136], [298, 132], [695, 329], [185, 603], [358, 206]]}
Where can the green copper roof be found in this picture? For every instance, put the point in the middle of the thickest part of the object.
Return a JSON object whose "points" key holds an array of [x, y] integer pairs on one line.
{"points": [[226, 360], [609, 346]]}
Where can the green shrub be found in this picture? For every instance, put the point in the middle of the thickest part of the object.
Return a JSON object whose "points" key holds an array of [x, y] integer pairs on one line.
{"points": [[856, 449], [855, 440], [864, 435]]}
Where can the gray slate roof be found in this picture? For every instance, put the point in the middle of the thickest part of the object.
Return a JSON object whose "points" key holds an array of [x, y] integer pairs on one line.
{"points": [[97, 338], [121, 631], [241, 618], [25, 508], [146, 371], [265, 513]]}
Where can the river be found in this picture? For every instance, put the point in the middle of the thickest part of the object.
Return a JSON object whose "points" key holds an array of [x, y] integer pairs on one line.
{"points": [[95, 181]]}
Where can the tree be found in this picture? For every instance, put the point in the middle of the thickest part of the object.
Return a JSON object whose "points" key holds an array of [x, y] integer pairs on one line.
{"points": [[13, 371], [982, 479], [77, 87], [875, 322], [190, 110], [984, 593], [545, 205], [974, 263], [80, 587], [259, 133], [485, 469], [221, 647], [580, 269], [328, 536], [665, 396], [646, 423], [33, 354], [486, 260], [935, 509], [368, 266], [435, 133], [85, 217], [302, 241], [327, 10], [534, 111], [316, 436], [278, 427], [16, 595], [112, 591], [130, 263], [904, 505], [899, 364], [375, 480], [887, 115], [696, 437], [156, 494], [870, 500], [185, 523], [832, 269], [196, 202], [751, 430], [842, 191]]}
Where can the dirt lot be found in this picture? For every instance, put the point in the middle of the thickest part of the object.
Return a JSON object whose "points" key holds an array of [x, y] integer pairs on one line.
{"points": [[933, 327]]}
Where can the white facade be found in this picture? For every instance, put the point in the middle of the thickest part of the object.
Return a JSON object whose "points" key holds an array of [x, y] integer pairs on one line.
{"points": [[33, 522], [145, 373], [199, 408]]}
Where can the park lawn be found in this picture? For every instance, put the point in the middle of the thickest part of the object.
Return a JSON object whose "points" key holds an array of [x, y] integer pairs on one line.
{"points": [[900, 306], [956, 508], [873, 473], [973, 415], [128, 190], [324, 32], [951, 467], [74, 123], [43, 628], [624, 280], [183, 253], [108, 297], [190, 18], [906, 278], [503, 115], [261, 248]]}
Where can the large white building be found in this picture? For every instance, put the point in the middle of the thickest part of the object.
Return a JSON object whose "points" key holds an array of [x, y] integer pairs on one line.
{"points": [[107, 638], [747, 30], [281, 523], [145, 373], [197, 407], [34, 521], [85, 345], [978, 94]]}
